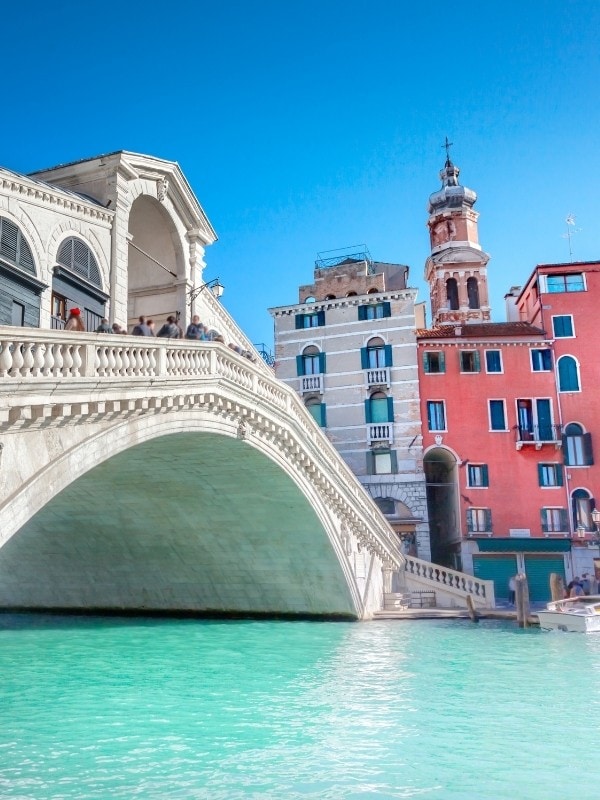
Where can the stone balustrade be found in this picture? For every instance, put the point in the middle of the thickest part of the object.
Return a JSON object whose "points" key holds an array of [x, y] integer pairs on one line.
{"points": [[449, 580]]}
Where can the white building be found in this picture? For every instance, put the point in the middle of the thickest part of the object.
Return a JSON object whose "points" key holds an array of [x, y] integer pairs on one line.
{"points": [[348, 348]]}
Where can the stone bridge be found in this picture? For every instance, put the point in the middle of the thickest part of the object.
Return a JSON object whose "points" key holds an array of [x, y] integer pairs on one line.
{"points": [[159, 475]]}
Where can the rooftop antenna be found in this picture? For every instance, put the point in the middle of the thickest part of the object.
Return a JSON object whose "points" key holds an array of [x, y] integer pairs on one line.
{"points": [[571, 231], [447, 145]]}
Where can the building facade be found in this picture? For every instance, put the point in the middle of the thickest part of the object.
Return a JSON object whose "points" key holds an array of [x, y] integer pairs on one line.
{"points": [[508, 410], [348, 348]]}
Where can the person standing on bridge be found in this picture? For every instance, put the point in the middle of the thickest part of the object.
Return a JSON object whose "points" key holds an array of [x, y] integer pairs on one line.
{"points": [[195, 330], [170, 330], [142, 329], [74, 322]]}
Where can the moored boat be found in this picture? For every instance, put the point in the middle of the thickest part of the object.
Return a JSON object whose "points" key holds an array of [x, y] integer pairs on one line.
{"points": [[576, 614]]}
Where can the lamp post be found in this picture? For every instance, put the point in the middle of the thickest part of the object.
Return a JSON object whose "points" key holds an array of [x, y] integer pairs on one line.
{"points": [[596, 520], [215, 286]]}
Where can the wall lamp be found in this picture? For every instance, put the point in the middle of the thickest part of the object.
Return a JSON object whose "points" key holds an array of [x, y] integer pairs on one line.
{"points": [[215, 286]]}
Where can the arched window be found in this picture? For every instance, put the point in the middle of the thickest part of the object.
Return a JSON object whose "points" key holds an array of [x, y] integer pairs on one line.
{"points": [[376, 353], [379, 408], [452, 293], [309, 299], [317, 410], [77, 256], [386, 505], [351, 294], [329, 297], [373, 291], [14, 248], [577, 446], [473, 292], [582, 506], [568, 374], [311, 361]]}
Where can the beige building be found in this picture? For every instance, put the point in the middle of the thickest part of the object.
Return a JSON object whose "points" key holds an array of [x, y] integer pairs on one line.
{"points": [[348, 348]]}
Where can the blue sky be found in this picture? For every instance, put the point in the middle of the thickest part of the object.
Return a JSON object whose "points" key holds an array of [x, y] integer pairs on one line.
{"points": [[307, 126]]}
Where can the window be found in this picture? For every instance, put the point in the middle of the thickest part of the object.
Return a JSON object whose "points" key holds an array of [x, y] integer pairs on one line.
{"points": [[577, 446], [317, 410], [381, 462], [13, 247], [497, 415], [434, 362], [568, 374], [436, 415], [473, 292], [469, 360], [479, 520], [379, 408], [77, 256], [376, 354], [493, 361], [550, 474], [582, 506], [477, 476], [541, 360], [374, 311], [452, 293], [311, 362], [554, 520], [534, 420], [573, 282], [17, 314], [313, 320], [562, 326], [386, 505]]}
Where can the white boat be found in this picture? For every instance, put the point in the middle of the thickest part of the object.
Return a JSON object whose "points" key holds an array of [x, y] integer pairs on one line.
{"points": [[577, 614]]}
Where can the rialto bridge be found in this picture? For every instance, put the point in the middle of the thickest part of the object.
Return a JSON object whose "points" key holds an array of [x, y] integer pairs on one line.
{"points": [[160, 475]]}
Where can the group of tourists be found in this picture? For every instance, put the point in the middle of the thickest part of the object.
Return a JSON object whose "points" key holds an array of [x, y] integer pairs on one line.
{"points": [[196, 330], [578, 587]]}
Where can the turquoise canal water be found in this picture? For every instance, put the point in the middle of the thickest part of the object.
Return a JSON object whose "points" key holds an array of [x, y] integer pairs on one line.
{"points": [[139, 708]]}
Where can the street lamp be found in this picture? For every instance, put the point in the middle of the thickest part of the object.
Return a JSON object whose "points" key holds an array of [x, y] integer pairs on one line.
{"points": [[215, 286], [596, 520]]}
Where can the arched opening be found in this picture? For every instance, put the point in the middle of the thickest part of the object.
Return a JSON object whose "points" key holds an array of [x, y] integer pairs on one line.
{"points": [[351, 294], [77, 283], [317, 410], [452, 294], [309, 299], [376, 355], [19, 288], [373, 291], [582, 506], [473, 292], [441, 480], [568, 374], [311, 363], [329, 297], [379, 408], [156, 262]]}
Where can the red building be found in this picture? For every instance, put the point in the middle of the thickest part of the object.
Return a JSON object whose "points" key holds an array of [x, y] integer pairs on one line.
{"points": [[508, 410]]}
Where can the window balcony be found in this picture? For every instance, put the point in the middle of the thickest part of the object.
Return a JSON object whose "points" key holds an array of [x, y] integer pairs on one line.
{"points": [[380, 432], [378, 376], [537, 435], [311, 384]]}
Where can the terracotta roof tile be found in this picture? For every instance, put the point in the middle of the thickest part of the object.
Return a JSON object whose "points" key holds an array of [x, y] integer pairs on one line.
{"points": [[480, 330]]}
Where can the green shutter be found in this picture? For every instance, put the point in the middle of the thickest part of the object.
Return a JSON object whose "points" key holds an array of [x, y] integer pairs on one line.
{"points": [[321, 317], [588, 454], [485, 480], [367, 411], [565, 450], [322, 362], [390, 409], [300, 365], [540, 468], [370, 462], [426, 364], [323, 418], [564, 519], [364, 357], [543, 522], [387, 310], [388, 355], [488, 519], [559, 475], [477, 361], [394, 460], [362, 313], [299, 321]]}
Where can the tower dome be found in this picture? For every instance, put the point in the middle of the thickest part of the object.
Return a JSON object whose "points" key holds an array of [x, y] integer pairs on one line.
{"points": [[452, 195]]}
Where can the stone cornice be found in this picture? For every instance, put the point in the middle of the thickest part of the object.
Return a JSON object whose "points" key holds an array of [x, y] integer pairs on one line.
{"points": [[344, 302], [55, 198]]}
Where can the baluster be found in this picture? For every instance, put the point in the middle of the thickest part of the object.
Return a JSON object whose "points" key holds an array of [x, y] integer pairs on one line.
{"points": [[77, 359], [152, 360], [102, 361], [58, 360], [17, 364], [125, 357], [67, 360], [145, 361], [136, 361], [6, 360], [97, 361], [38, 359], [118, 360], [110, 361], [27, 359]]}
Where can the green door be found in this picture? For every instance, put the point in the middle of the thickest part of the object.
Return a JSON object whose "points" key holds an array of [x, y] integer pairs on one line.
{"points": [[498, 569], [538, 570]]}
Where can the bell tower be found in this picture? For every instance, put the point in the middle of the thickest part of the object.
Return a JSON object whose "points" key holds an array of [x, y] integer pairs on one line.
{"points": [[456, 268]]}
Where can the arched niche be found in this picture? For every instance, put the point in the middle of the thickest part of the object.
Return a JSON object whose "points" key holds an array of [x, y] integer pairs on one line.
{"points": [[441, 481]]}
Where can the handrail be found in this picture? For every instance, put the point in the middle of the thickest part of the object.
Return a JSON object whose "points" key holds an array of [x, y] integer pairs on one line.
{"points": [[450, 579]]}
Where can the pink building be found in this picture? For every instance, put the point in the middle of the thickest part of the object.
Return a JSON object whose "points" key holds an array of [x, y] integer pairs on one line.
{"points": [[508, 409]]}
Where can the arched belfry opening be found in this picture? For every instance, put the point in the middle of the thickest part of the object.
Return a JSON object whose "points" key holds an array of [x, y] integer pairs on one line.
{"points": [[156, 262], [441, 480]]}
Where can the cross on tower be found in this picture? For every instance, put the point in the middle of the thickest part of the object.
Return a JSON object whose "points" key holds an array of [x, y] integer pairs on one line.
{"points": [[447, 145]]}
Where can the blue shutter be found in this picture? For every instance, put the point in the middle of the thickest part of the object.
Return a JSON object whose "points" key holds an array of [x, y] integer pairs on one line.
{"points": [[321, 317], [368, 411], [565, 449], [299, 321], [485, 481], [426, 365], [559, 474], [394, 461], [390, 409], [388, 355], [564, 519], [588, 453], [442, 362], [300, 365], [364, 357], [488, 519], [322, 362], [541, 475], [323, 415], [387, 310], [362, 313], [477, 361], [470, 520], [543, 522], [370, 463]]}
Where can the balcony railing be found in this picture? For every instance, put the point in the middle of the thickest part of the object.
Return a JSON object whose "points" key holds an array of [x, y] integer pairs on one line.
{"points": [[312, 383], [537, 435], [380, 432], [378, 376]]}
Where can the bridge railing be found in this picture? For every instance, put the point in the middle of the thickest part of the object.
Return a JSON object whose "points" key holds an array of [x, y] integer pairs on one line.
{"points": [[449, 579], [31, 355]]}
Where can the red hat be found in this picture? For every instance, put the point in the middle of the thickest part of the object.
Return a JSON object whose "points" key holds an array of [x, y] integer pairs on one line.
{"points": [[75, 312]]}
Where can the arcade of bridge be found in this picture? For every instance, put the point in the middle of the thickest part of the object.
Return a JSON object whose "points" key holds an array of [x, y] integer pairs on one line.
{"points": [[193, 521]]}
